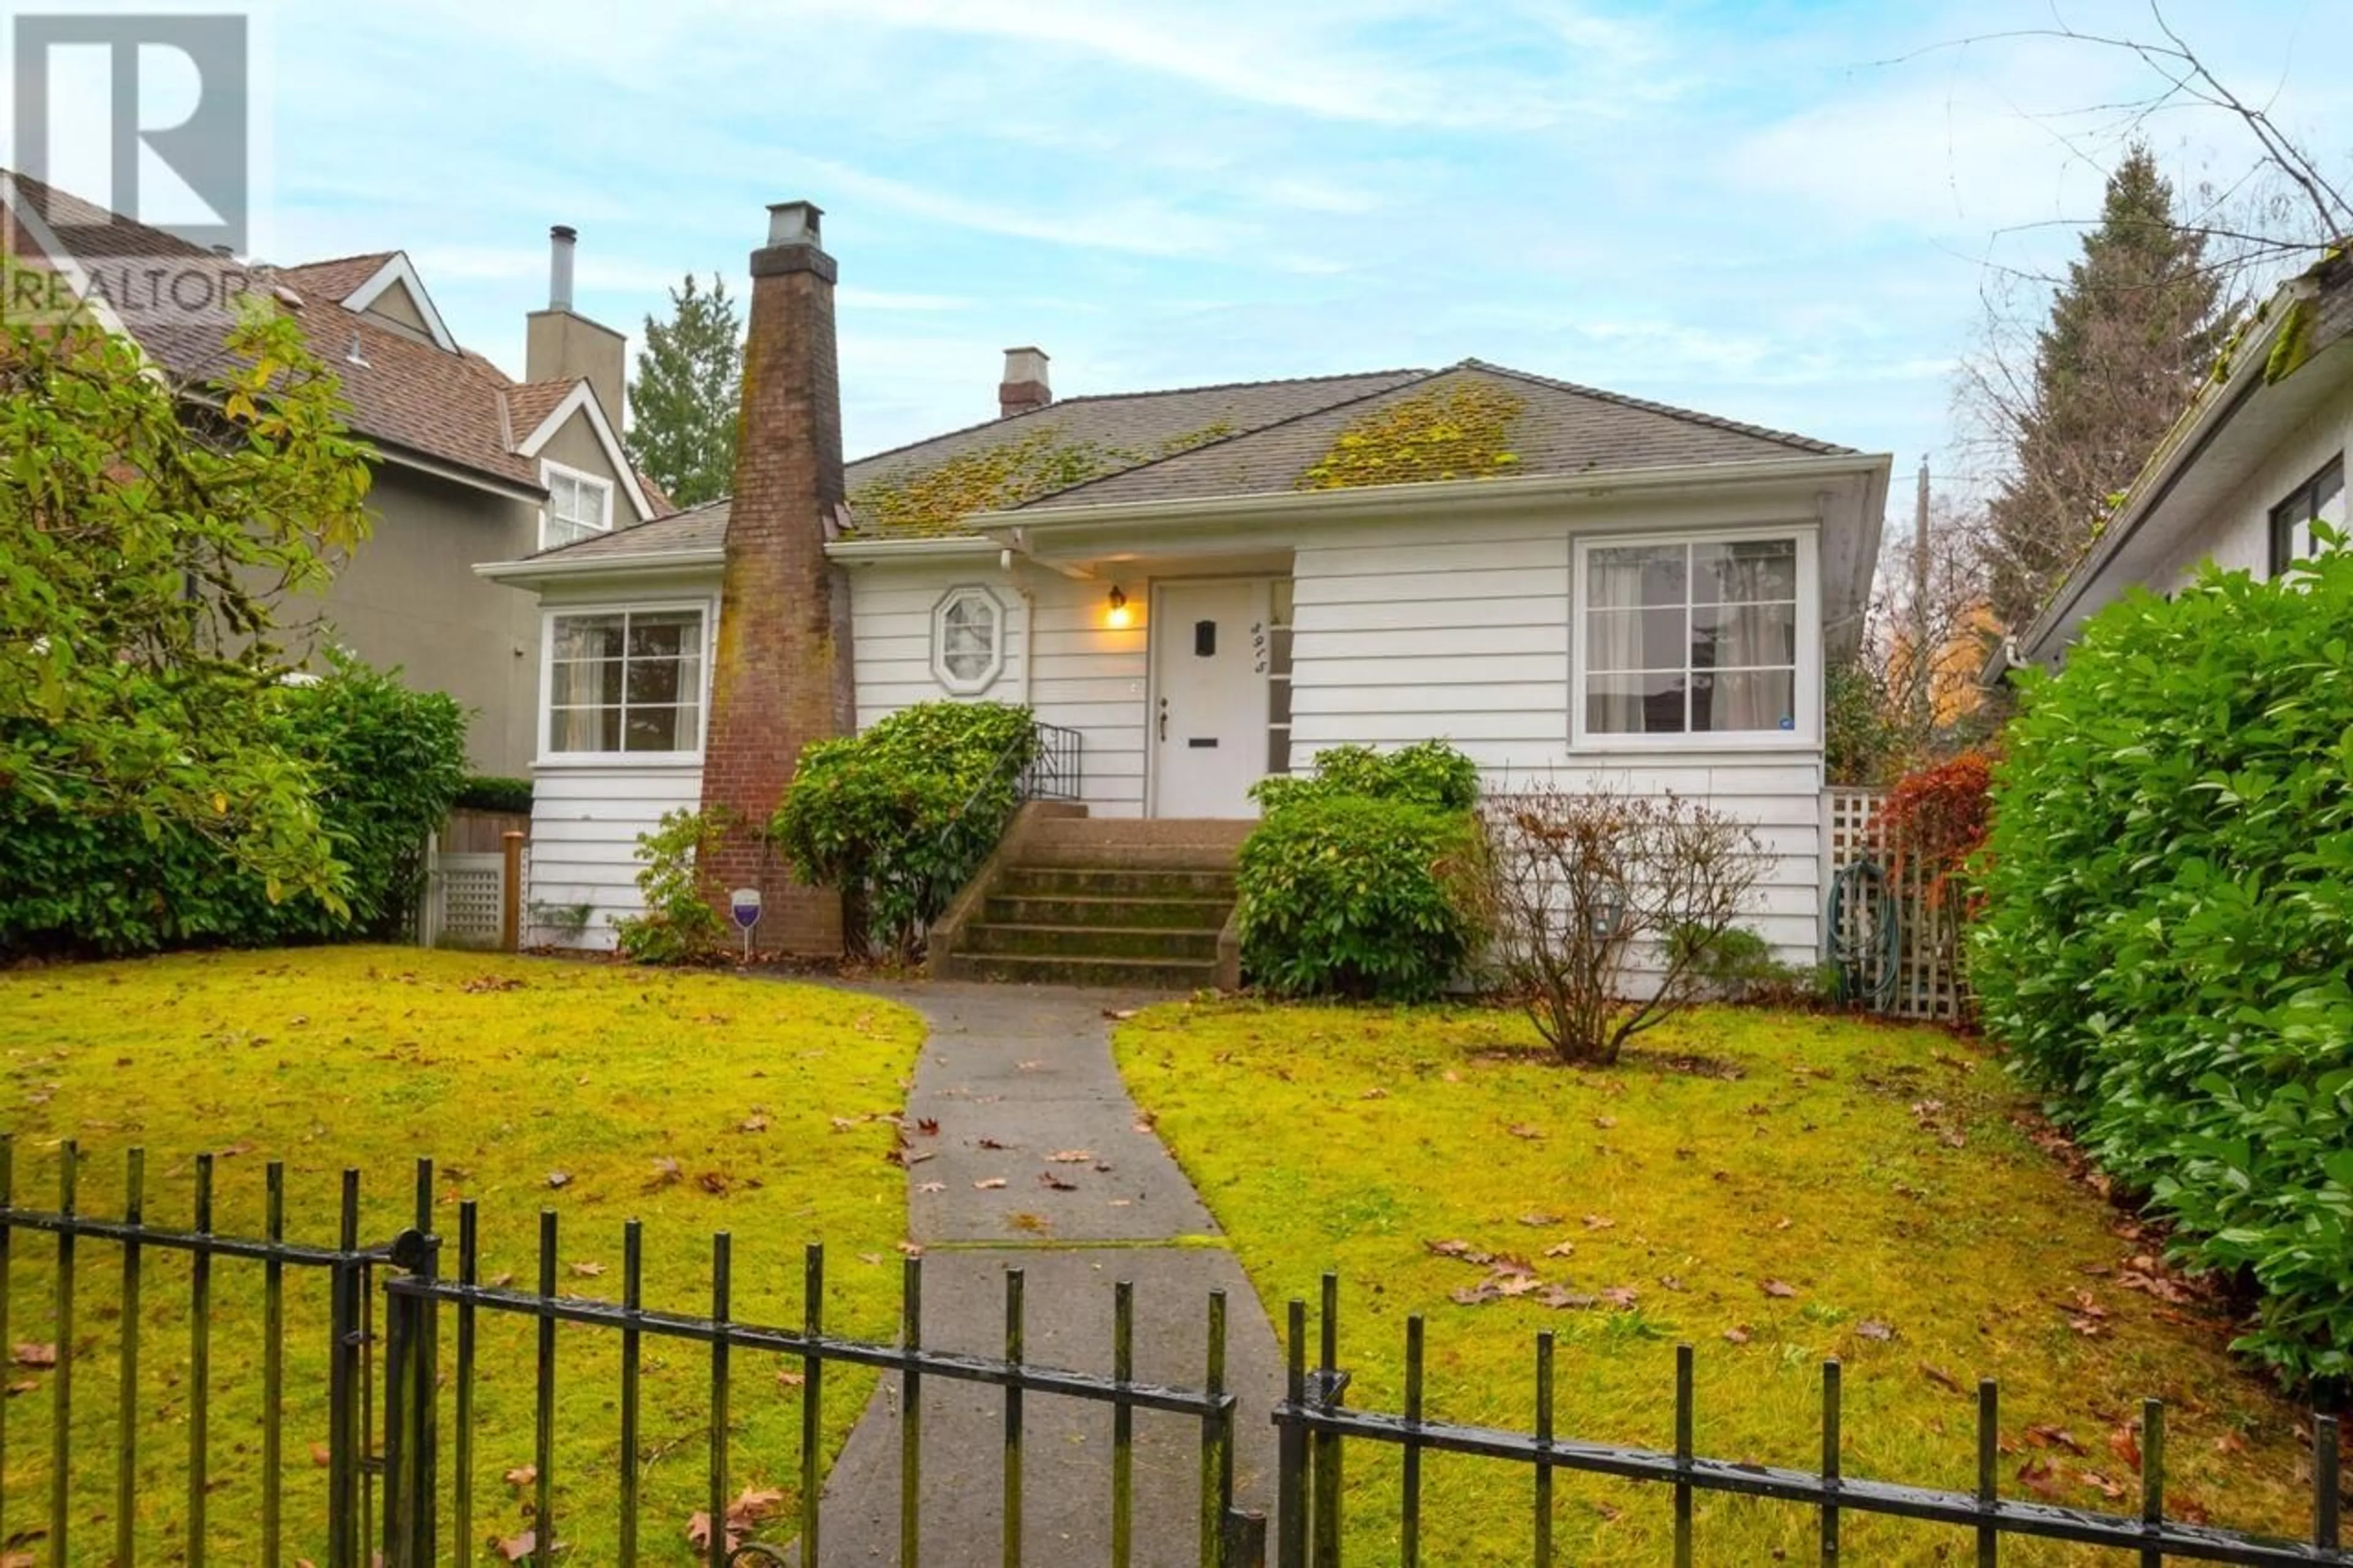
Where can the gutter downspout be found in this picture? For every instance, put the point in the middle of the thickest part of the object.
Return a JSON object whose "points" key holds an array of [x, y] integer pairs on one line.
{"points": [[1028, 623]]}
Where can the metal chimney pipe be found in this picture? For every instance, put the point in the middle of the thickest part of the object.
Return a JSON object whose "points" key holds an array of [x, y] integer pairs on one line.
{"points": [[560, 242]]}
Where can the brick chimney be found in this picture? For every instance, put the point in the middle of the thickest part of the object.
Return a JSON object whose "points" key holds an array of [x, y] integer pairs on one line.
{"points": [[781, 679], [1024, 388]]}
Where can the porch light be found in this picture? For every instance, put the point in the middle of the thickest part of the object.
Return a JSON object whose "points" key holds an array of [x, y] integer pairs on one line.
{"points": [[1119, 614]]}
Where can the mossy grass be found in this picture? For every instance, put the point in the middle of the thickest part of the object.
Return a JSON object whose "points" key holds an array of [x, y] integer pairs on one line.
{"points": [[694, 1101], [1885, 1176]]}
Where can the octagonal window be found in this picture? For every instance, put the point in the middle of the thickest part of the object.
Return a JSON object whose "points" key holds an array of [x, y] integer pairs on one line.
{"points": [[968, 639]]}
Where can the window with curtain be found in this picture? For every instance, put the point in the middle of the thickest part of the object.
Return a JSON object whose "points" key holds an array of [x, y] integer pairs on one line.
{"points": [[1691, 638], [2320, 499], [579, 506], [626, 682]]}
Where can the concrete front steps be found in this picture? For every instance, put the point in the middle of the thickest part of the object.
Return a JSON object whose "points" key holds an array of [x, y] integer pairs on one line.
{"points": [[1078, 901]]}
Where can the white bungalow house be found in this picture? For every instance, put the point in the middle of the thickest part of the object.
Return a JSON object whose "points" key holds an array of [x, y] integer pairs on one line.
{"points": [[2249, 466], [1211, 585]]}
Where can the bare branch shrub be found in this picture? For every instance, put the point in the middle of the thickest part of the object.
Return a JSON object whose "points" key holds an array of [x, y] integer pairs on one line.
{"points": [[1585, 884]]}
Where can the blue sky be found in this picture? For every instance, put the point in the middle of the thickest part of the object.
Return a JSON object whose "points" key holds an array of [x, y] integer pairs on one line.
{"points": [[1766, 211]]}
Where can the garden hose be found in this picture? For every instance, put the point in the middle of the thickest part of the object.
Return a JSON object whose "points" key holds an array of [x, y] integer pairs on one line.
{"points": [[1865, 927]]}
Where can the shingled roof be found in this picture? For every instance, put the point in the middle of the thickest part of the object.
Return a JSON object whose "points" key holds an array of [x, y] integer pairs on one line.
{"points": [[455, 407]]}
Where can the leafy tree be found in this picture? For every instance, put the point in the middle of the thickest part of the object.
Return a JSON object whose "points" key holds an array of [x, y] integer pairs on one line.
{"points": [[2133, 329], [683, 404], [147, 533]]}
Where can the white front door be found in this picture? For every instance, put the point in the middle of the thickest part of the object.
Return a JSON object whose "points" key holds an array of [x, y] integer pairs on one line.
{"points": [[1208, 734]]}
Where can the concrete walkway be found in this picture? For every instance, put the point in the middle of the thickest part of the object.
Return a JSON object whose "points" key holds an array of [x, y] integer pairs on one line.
{"points": [[1014, 1076]]}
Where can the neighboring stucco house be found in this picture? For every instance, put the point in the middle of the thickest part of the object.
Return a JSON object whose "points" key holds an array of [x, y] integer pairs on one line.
{"points": [[472, 465], [2256, 458], [1210, 585]]}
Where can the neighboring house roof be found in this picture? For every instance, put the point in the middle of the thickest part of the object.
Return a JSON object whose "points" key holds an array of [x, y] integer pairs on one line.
{"points": [[451, 407], [2297, 353], [1233, 439]]}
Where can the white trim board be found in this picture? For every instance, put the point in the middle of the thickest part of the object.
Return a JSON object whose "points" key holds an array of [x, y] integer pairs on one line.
{"points": [[401, 270], [581, 397]]}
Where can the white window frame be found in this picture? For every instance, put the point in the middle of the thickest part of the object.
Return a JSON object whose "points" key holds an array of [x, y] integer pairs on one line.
{"points": [[545, 757], [549, 472], [968, 685], [1804, 735]]}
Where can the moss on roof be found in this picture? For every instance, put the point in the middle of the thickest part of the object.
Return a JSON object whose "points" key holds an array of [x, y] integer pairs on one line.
{"points": [[934, 502], [1458, 432]]}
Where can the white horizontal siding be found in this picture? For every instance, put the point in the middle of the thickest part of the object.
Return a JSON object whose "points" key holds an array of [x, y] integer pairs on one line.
{"points": [[1430, 633], [584, 824], [1070, 667]]}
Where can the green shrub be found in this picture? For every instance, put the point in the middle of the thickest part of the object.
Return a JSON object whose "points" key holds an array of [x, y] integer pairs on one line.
{"points": [[485, 792], [382, 764], [1429, 773], [1365, 880], [678, 925], [901, 817], [2168, 928]]}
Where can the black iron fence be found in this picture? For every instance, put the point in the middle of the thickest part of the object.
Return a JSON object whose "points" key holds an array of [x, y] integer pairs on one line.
{"points": [[1315, 1424], [391, 1419]]}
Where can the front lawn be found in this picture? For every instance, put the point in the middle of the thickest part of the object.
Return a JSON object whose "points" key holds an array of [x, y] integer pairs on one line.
{"points": [[695, 1102], [1857, 1190]]}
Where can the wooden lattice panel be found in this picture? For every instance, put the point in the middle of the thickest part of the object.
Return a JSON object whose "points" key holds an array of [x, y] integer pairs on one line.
{"points": [[1929, 983]]}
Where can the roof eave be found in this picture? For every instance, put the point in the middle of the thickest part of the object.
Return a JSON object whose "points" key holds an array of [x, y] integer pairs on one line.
{"points": [[877, 550], [558, 567]]}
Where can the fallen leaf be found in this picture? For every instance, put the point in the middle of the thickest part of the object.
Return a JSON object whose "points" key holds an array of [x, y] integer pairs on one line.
{"points": [[523, 1476], [1458, 1248], [35, 1355], [1048, 1179], [1119, 1014], [559, 1178], [1599, 1222], [758, 1124], [2101, 1484], [988, 1183], [1605, 1123], [588, 1271], [1560, 1249], [1522, 1129], [1030, 1066], [666, 1172], [1539, 1221], [2041, 1476], [1873, 1329], [1619, 1296], [1737, 1334], [1560, 1297], [321, 1456], [1780, 1289], [912, 1248], [1374, 1093], [2125, 1444], [791, 1379], [903, 1156], [2046, 1436], [1939, 1376], [993, 1143], [1509, 1284], [2230, 1443], [928, 1126], [516, 1548], [1071, 1156], [931, 1186], [1144, 1126]]}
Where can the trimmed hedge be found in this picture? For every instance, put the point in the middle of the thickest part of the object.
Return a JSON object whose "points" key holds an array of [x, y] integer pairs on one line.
{"points": [[488, 791], [901, 817], [2167, 928], [385, 764], [1365, 880]]}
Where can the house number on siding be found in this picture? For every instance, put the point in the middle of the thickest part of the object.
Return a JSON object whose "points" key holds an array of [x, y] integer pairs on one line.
{"points": [[1257, 648]]}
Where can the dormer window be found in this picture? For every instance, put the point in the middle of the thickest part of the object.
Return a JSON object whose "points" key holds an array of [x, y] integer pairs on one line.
{"points": [[579, 506]]}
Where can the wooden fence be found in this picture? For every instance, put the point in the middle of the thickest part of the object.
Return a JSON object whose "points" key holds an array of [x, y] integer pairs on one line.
{"points": [[1930, 977]]}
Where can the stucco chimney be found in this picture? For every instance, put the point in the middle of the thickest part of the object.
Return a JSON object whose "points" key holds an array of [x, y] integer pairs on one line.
{"points": [[781, 677], [1024, 388], [561, 345]]}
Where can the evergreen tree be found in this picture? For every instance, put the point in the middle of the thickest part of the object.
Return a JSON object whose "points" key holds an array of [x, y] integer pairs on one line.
{"points": [[2132, 331], [683, 405]]}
